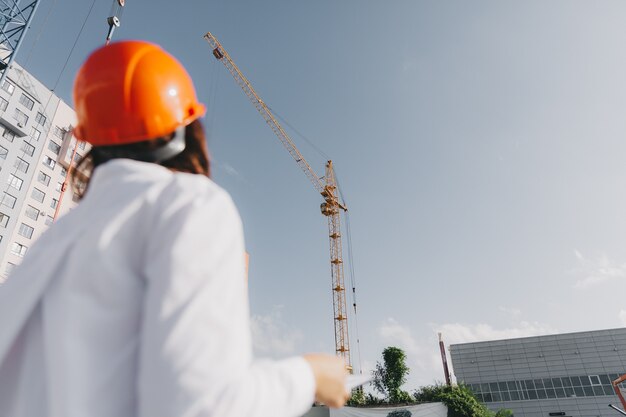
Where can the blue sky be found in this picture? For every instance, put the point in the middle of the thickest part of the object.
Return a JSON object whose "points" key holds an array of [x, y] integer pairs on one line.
{"points": [[480, 147]]}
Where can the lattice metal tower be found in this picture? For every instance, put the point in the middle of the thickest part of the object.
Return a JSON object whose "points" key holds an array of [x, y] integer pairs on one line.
{"points": [[14, 22]]}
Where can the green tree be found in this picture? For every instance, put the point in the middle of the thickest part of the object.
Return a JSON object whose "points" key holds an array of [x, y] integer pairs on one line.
{"points": [[357, 398], [371, 399], [459, 399], [391, 374]]}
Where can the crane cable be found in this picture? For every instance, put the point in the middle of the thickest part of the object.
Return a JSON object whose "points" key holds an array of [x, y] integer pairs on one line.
{"points": [[68, 172], [67, 60], [348, 233], [307, 140], [352, 274], [211, 101], [43, 26], [117, 8]]}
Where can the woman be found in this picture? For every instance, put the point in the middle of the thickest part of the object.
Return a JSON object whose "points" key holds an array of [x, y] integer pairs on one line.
{"points": [[134, 304]]}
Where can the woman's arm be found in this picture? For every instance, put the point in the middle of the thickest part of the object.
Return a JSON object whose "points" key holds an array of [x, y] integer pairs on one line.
{"points": [[195, 354]]}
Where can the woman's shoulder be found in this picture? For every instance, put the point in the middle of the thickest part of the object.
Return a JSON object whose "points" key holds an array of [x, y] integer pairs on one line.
{"points": [[197, 185], [191, 205], [185, 190]]}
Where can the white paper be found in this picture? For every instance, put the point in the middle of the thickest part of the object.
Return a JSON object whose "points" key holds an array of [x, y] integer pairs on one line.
{"points": [[353, 381]]}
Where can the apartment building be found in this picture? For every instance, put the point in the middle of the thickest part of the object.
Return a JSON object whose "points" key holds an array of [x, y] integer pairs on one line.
{"points": [[36, 146]]}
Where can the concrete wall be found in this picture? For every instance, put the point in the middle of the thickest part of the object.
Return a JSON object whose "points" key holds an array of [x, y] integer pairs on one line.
{"points": [[318, 412], [421, 410]]}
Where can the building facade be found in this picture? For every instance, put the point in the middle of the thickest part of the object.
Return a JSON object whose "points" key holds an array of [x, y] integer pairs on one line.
{"points": [[556, 375], [36, 145]]}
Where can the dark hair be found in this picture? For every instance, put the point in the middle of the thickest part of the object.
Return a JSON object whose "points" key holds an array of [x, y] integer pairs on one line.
{"points": [[194, 159]]}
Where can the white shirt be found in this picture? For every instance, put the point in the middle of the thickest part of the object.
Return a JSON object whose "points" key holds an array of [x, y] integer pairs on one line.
{"points": [[135, 305]]}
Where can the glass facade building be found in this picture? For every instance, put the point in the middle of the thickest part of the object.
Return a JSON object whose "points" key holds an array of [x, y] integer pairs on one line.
{"points": [[566, 374]]}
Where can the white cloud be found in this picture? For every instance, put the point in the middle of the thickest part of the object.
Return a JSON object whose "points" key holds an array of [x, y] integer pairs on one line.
{"points": [[423, 356], [393, 333], [419, 354], [271, 336], [597, 271], [465, 333]]}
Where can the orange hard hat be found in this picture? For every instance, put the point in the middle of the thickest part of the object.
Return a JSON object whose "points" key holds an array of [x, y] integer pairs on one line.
{"points": [[131, 91]]}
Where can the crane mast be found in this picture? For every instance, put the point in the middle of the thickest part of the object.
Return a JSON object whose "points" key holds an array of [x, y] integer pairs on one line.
{"points": [[331, 207]]}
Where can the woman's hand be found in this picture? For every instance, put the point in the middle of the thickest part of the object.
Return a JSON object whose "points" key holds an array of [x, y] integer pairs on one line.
{"points": [[330, 379]]}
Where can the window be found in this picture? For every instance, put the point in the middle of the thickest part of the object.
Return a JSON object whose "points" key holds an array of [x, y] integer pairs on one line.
{"points": [[54, 203], [8, 200], [15, 182], [3, 104], [21, 117], [49, 162], [8, 135], [18, 249], [77, 157], [575, 386], [31, 212], [21, 165], [59, 186], [40, 119], [58, 132], [4, 220], [49, 220], [35, 134], [26, 101], [8, 87], [63, 172], [54, 147], [38, 195], [28, 148], [81, 145], [9, 268], [43, 178], [26, 231], [3, 152]]}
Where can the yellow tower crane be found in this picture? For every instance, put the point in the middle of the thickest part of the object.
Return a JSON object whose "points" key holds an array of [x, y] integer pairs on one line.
{"points": [[331, 207]]}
